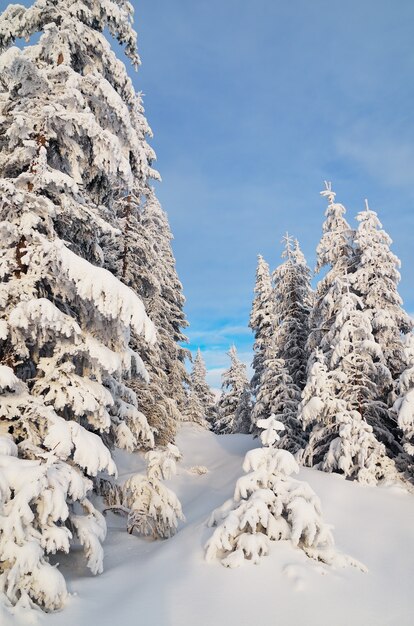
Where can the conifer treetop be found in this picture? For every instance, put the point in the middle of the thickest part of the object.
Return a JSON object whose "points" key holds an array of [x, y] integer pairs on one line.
{"points": [[334, 249]]}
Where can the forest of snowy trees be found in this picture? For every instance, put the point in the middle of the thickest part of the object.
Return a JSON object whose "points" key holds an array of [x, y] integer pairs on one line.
{"points": [[92, 330]]}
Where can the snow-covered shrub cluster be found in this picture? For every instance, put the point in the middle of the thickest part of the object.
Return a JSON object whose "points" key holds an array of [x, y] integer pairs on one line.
{"points": [[270, 505]]}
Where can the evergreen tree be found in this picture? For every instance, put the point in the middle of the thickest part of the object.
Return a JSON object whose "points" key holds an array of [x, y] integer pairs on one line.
{"points": [[335, 254], [145, 262], [262, 320], [376, 279], [201, 403], [279, 395], [150, 507], [243, 415], [293, 303], [234, 385], [168, 314], [269, 505], [338, 395], [194, 410], [70, 146], [404, 405], [283, 359]]}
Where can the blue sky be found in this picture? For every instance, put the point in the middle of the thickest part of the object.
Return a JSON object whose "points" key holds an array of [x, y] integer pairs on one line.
{"points": [[253, 105]]}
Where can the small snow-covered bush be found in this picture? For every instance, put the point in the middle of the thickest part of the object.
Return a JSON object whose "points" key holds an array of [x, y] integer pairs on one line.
{"points": [[270, 505], [151, 508]]}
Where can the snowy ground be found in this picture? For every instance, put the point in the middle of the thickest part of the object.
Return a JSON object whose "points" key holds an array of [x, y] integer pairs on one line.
{"points": [[168, 583]]}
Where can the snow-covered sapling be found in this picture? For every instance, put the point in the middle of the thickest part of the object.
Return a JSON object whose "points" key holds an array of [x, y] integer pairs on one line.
{"points": [[269, 505], [151, 508]]}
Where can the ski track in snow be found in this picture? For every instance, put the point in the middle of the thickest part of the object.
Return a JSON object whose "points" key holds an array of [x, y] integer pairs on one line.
{"points": [[168, 583]]}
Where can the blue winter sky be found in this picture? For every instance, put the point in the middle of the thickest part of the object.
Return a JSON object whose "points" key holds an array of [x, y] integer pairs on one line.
{"points": [[253, 105]]}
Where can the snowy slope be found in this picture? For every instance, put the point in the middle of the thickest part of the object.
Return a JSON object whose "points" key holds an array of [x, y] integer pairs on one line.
{"points": [[168, 583]]}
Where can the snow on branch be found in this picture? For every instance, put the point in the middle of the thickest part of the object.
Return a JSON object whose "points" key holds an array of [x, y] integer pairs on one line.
{"points": [[112, 298]]}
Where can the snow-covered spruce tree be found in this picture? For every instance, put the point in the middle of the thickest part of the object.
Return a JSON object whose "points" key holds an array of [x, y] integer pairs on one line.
{"points": [[269, 505], [375, 279], [355, 368], [106, 120], [278, 394], [76, 101], [243, 416], [262, 320], [143, 258], [335, 254], [194, 410], [64, 345], [293, 302], [67, 143], [340, 392], [234, 387], [283, 363], [201, 404], [404, 405], [168, 312]]}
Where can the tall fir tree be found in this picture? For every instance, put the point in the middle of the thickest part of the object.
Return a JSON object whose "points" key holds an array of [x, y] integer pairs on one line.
{"points": [[141, 254], [335, 255], [283, 365], [375, 279], [201, 404], [279, 396], [293, 299], [69, 147], [235, 386], [262, 320], [169, 317]]}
